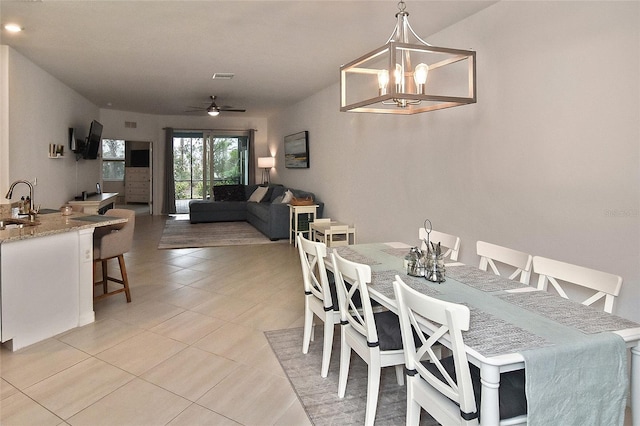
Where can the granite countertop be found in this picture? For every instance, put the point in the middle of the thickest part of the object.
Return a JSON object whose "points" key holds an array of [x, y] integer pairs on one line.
{"points": [[56, 223]]}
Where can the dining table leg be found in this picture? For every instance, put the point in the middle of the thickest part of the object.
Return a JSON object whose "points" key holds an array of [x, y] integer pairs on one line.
{"points": [[490, 380], [635, 384]]}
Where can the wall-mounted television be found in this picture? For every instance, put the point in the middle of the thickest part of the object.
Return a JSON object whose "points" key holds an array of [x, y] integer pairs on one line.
{"points": [[296, 150], [93, 141]]}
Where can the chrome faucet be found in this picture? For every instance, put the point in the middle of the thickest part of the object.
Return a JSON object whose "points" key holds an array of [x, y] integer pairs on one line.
{"points": [[26, 182]]}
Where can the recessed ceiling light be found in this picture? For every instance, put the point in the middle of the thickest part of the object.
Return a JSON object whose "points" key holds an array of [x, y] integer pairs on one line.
{"points": [[13, 28], [223, 76]]}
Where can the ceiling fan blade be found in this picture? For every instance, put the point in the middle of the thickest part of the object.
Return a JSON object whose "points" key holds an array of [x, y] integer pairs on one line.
{"points": [[229, 109]]}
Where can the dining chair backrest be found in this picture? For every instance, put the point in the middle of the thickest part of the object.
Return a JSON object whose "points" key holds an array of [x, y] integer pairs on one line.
{"points": [[353, 300], [314, 273], [605, 285], [375, 337], [320, 300], [337, 235], [450, 396], [448, 241], [491, 253]]}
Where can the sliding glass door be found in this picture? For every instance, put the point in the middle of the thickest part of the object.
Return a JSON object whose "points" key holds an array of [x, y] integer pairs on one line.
{"points": [[204, 159], [226, 159], [188, 154]]}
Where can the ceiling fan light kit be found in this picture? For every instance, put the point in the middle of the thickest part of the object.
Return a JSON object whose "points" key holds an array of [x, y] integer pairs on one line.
{"points": [[408, 76], [214, 110]]}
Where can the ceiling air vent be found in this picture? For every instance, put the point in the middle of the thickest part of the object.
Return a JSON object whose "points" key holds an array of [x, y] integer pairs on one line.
{"points": [[130, 124], [223, 76]]}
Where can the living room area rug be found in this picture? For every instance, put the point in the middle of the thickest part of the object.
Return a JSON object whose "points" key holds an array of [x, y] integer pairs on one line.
{"points": [[319, 396], [184, 234]]}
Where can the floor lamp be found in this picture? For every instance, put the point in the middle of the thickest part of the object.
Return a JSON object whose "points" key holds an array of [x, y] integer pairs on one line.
{"points": [[266, 164]]}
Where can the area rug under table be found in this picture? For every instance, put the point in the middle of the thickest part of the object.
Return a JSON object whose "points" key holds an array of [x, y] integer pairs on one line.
{"points": [[184, 234], [319, 396]]}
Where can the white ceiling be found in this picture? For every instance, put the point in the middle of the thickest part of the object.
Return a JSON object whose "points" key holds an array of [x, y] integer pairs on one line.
{"points": [[158, 57]]}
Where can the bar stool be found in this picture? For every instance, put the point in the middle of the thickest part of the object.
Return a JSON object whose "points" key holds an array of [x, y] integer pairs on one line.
{"points": [[112, 242]]}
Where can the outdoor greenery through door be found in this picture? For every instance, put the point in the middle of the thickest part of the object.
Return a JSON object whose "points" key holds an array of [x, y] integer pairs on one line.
{"points": [[204, 159]]}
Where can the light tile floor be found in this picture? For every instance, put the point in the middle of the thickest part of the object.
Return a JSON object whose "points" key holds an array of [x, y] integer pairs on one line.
{"points": [[188, 350]]}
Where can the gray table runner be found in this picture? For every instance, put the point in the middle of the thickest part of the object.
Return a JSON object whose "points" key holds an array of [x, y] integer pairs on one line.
{"points": [[354, 256], [397, 252], [382, 281], [482, 280], [587, 319]]}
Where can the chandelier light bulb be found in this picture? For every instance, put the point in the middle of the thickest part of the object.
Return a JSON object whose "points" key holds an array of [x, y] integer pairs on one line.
{"points": [[383, 81], [420, 76], [398, 75]]}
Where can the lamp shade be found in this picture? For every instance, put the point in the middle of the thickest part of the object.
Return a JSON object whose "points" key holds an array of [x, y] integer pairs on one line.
{"points": [[266, 162]]}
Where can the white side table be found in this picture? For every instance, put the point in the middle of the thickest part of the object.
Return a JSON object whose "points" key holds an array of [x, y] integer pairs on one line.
{"points": [[294, 220]]}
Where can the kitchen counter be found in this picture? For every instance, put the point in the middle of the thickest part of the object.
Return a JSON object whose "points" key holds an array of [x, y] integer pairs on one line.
{"points": [[46, 277], [55, 223]]}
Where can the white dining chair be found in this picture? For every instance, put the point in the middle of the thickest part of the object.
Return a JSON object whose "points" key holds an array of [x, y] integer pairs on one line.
{"points": [[319, 300], [337, 235], [445, 387], [318, 236], [375, 337], [491, 253], [604, 284], [448, 241]]}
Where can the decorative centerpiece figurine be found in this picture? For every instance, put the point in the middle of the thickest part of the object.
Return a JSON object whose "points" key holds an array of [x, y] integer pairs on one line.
{"points": [[434, 269], [414, 262], [433, 262]]}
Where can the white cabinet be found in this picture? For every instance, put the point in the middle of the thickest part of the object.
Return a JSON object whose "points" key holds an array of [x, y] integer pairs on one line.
{"points": [[45, 286], [137, 183]]}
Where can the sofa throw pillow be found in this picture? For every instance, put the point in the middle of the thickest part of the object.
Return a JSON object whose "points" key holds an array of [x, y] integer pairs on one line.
{"points": [[258, 194], [278, 199], [288, 195], [228, 193]]}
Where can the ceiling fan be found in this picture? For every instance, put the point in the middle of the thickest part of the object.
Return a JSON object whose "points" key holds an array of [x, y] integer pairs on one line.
{"points": [[213, 109]]}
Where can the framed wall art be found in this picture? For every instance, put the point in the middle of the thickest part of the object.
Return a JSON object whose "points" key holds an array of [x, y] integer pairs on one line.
{"points": [[296, 150]]}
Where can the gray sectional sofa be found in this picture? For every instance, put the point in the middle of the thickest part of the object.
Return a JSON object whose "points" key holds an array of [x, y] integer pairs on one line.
{"points": [[270, 216]]}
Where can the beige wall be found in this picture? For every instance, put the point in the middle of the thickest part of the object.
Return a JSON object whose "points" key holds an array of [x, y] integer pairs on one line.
{"points": [[40, 111], [547, 161]]}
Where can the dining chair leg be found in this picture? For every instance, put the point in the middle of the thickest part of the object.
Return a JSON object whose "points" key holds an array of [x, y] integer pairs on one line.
{"points": [[308, 327], [125, 279], [345, 358], [413, 408], [326, 347], [400, 374], [373, 387]]}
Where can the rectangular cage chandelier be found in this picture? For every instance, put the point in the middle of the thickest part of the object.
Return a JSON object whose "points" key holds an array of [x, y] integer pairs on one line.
{"points": [[408, 76]]}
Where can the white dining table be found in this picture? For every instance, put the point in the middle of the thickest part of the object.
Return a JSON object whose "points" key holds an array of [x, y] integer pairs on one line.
{"points": [[493, 343]]}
